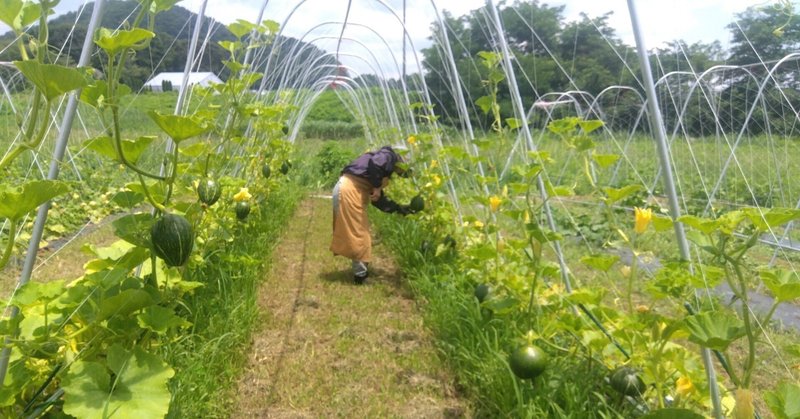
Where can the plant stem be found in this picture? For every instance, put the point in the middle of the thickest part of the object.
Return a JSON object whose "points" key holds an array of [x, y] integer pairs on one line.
{"points": [[12, 234], [751, 338], [173, 174], [149, 197]]}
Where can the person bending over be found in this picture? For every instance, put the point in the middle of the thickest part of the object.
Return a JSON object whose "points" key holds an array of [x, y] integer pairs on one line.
{"points": [[361, 183]]}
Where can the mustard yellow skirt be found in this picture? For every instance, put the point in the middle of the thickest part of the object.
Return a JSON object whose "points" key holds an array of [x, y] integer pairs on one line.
{"points": [[351, 236]]}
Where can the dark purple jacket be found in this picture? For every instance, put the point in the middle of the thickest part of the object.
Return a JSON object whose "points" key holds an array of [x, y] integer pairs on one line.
{"points": [[374, 166]]}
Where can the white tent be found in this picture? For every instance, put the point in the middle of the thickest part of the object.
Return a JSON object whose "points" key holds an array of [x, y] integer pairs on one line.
{"points": [[175, 79]]}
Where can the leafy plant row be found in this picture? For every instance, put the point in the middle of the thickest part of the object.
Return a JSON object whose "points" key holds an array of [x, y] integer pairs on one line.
{"points": [[91, 347], [616, 325]]}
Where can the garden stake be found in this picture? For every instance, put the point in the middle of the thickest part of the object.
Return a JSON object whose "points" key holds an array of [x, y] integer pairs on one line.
{"points": [[657, 127]]}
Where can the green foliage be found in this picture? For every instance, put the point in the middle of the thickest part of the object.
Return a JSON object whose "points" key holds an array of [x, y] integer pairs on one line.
{"points": [[129, 383], [17, 202], [330, 160], [784, 401], [225, 313], [331, 130]]}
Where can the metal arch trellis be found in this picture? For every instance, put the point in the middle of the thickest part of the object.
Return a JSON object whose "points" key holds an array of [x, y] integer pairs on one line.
{"points": [[657, 125], [58, 155], [288, 65], [426, 97]]}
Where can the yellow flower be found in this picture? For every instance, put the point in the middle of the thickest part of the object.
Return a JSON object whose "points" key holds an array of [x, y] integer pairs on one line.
{"points": [[412, 140], [434, 164], [242, 195], [437, 180], [625, 270], [478, 224], [684, 386], [494, 203], [643, 218]]}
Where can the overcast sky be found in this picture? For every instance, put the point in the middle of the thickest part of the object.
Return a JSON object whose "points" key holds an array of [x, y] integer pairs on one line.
{"points": [[319, 21]]}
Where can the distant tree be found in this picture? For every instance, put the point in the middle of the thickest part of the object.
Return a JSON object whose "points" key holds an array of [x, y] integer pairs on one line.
{"points": [[760, 37], [763, 34]]}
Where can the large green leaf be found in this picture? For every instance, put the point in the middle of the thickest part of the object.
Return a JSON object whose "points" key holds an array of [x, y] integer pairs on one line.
{"points": [[177, 127], [561, 190], [563, 126], [18, 201], [600, 262], [784, 402], [113, 42], [156, 189], [582, 143], [485, 103], [774, 217], [158, 6], [124, 304], [714, 330], [18, 14], [195, 150], [16, 381], [590, 125], [269, 26], [160, 320], [127, 199], [589, 296], [9, 11], [95, 94], [52, 80], [37, 293], [30, 14], [132, 149], [542, 235], [784, 284], [615, 195], [134, 228], [240, 28], [231, 47], [513, 123], [138, 388], [703, 225], [131, 257], [605, 160]]}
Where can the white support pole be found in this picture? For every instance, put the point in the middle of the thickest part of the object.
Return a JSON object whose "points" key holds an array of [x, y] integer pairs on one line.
{"points": [[657, 127], [522, 116], [170, 148], [58, 155]]}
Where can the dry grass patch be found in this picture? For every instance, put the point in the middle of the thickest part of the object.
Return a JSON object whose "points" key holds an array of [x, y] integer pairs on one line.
{"points": [[330, 348]]}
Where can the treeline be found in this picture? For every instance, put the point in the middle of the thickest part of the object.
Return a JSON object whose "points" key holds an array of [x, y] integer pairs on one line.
{"points": [[166, 52], [553, 55]]}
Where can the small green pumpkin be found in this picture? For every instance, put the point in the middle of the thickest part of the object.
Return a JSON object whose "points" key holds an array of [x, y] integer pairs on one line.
{"points": [[417, 204], [285, 166], [266, 171], [242, 209], [209, 191], [172, 239]]}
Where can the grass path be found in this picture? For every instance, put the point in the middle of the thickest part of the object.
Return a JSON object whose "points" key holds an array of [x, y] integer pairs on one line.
{"points": [[330, 348]]}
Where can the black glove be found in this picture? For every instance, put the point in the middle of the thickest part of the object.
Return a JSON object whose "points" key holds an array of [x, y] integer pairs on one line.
{"points": [[404, 210], [386, 205]]}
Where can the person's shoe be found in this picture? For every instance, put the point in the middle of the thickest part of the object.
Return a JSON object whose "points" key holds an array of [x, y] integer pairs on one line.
{"points": [[360, 279]]}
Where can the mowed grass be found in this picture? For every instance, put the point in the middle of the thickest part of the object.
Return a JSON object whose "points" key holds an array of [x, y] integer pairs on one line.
{"points": [[329, 348]]}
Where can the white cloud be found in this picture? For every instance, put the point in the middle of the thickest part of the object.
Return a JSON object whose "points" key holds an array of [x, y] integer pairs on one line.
{"points": [[661, 21]]}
